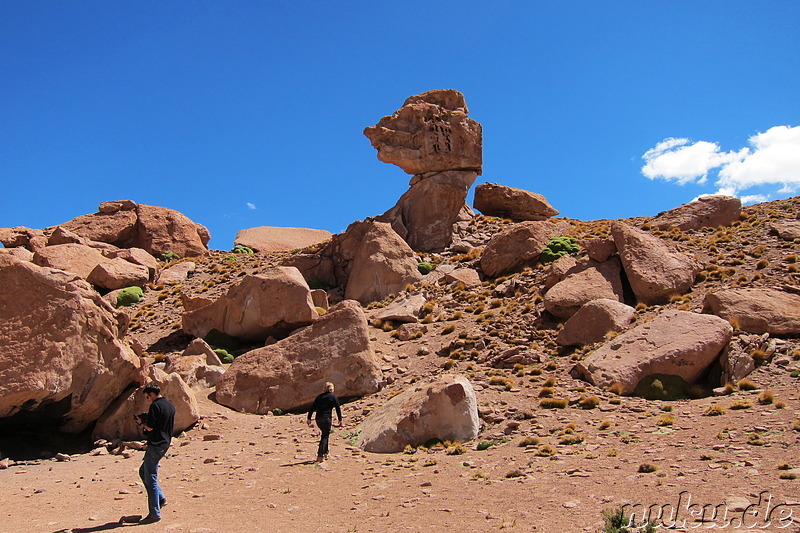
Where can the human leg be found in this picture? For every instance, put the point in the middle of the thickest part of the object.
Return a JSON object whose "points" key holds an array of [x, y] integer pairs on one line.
{"points": [[324, 424], [149, 474]]}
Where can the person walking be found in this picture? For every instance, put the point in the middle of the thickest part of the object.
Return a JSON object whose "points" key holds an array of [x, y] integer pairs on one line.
{"points": [[158, 424], [323, 405]]}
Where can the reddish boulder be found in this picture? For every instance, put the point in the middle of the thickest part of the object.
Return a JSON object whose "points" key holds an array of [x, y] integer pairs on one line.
{"points": [[446, 409], [382, 265], [583, 284], [272, 239], [62, 358], [518, 246], [788, 230], [430, 133], [594, 321], [117, 273], [705, 212], [289, 374], [675, 343], [495, 200], [160, 230], [271, 303], [757, 310], [654, 270], [76, 258]]}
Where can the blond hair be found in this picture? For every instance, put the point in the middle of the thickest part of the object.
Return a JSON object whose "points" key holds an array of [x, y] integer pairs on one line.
{"points": [[328, 387]]}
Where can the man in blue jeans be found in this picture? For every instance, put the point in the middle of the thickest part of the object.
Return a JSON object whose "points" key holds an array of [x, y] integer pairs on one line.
{"points": [[157, 424]]}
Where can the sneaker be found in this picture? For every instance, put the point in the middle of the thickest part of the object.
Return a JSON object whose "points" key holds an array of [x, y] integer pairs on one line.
{"points": [[149, 519]]}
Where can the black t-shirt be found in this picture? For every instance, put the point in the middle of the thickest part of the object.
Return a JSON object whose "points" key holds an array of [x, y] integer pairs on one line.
{"points": [[324, 404], [160, 417]]}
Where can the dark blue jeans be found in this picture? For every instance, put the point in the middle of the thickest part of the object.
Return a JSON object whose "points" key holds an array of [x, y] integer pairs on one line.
{"points": [[149, 474], [324, 424]]}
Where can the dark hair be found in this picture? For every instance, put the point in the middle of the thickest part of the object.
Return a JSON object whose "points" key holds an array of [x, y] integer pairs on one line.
{"points": [[152, 387]]}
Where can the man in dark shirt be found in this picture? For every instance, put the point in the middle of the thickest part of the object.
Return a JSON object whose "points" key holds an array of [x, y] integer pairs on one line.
{"points": [[324, 405], [158, 425]]}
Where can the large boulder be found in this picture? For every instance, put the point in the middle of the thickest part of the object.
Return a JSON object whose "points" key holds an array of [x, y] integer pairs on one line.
{"points": [[76, 258], [289, 374], [518, 246], [118, 423], [178, 272], [757, 310], [275, 239], [705, 212], [655, 271], [430, 133], [272, 303], [117, 227], [788, 230], [675, 343], [160, 230], [582, 284], [495, 200], [118, 273], [382, 265], [138, 256], [424, 216], [594, 321], [62, 358], [19, 236], [446, 409], [403, 309]]}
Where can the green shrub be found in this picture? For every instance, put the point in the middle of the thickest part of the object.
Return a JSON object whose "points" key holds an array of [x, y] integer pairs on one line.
{"points": [[224, 356], [239, 249], [662, 387], [425, 268], [168, 256], [129, 296], [559, 247], [615, 521]]}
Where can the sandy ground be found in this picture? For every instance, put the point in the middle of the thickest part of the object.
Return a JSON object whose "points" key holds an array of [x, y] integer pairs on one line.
{"points": [[244, 473]]}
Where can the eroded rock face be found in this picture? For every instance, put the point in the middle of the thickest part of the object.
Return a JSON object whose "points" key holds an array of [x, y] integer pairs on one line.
{"points": [[117, 422], [518, 246], [62, 360], [446, 409], [705, 212], [676, 343], [654, 270], [273, 302], [583, 284], [430, 133], [424, 216], [495, 200], [594, 321], [757, 310], [289, 374], [383, 264], [274, 239]]}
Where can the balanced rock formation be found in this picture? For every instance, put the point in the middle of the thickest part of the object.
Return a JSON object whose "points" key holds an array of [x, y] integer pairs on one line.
{"points": [[675, 343], [431, 132], [757, 310], [62, 358], [518, 246], [272, 303], [705, 212], [582, 284], [118, 423], [655, 271], [446, 409], [274, 239], [431, 137], [289, 374], [495, 200], [594, 321]]}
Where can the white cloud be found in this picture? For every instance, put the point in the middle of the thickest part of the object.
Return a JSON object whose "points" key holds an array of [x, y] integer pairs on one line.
{"points": [[251, 205], [773, 159]]}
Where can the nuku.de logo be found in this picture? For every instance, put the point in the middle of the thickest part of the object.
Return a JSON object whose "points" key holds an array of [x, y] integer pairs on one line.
{"points": [[687, 515]]}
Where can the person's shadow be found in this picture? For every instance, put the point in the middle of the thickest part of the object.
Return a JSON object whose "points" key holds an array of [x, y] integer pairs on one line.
{"points": [[101, 527], [311, 462]]}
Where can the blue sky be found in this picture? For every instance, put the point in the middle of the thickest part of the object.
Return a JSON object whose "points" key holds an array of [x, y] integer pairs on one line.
{"points": [[243, 114]]}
